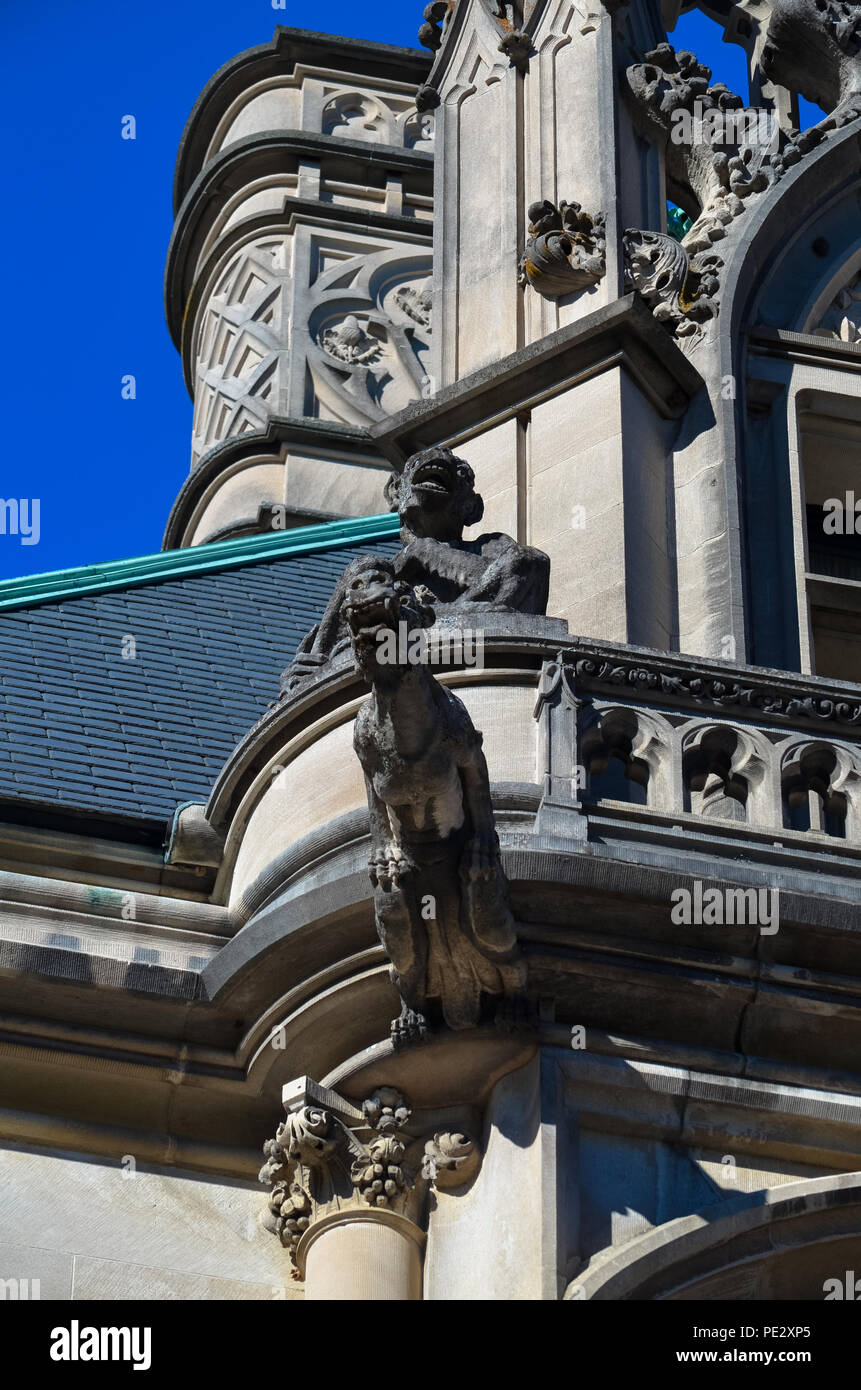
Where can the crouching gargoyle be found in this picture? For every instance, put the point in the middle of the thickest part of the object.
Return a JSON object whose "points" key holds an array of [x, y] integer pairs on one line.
{"points": [[439, 890]]}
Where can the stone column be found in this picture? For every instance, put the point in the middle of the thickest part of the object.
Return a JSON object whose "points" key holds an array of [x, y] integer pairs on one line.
{"points": [[362, 1256]]}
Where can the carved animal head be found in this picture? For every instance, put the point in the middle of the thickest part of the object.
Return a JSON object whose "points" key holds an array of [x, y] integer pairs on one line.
{"points": [[382, 613], [435, 495]]}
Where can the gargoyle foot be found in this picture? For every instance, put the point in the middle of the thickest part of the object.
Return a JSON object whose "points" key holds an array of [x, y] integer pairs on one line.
{"points": [[409, 1028]]}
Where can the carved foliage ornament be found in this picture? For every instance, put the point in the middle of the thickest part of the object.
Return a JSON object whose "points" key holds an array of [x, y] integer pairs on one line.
{"points": [[725, 156], [565, 250], [751, 694], [566, 253], [514, 43], [316, 1165]]}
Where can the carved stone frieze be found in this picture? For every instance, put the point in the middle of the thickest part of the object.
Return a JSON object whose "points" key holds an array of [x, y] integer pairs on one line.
{"points": [[321, 1162], [565, 251]]}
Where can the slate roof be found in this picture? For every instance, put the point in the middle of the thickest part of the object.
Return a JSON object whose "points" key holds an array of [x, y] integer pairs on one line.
{"points": [[89, 733]]}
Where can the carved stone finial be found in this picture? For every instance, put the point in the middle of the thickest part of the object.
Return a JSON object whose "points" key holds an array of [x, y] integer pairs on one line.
{"points": [[565, 251], [435, 16]]}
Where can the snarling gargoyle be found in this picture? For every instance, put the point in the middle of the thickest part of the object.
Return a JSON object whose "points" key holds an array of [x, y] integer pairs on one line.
{"points": [[439, 890], [436, 500]]}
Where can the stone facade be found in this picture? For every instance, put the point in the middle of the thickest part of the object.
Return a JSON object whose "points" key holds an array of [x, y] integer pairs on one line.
{"points": [[604, 877]]}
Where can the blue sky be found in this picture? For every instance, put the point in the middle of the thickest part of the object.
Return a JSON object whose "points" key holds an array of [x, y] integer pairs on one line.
{"points": [[87, 222]]}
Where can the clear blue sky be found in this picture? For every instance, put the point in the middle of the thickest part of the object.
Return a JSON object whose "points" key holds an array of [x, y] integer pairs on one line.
{"points": [[86, 226]]}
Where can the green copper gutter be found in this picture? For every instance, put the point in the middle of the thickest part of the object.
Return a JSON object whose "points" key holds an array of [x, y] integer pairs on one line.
{"points": [[199, 559]]}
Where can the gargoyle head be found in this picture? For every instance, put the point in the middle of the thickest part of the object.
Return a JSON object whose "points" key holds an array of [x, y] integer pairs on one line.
{"points": [[383, 613], [435, 495]]}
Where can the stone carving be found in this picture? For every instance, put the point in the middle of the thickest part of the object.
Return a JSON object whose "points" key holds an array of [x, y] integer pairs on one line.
{"points": [[678, 287], [565, 251], [435, 15], [753, 693], [515, 44], [734, 154], [417, 304], [366, 356], [842, 320], [814, 47], [439, 890], [435, 498], [349, 342], [318, 1164]]}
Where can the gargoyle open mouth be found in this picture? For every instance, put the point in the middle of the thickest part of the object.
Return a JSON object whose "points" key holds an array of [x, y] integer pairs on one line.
{"points": [[368, 616], [434, 476]]}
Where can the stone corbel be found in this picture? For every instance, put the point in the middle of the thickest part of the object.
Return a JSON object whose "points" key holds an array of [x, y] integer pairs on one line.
{"points": [[332, 1164], [566, 249]]}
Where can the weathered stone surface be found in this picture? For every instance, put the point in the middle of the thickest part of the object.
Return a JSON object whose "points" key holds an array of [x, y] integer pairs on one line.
{"points": [[439, 889]]}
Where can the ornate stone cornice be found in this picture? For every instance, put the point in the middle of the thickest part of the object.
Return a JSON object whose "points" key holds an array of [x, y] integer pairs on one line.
{"points": [[752, 690], [330, 1159]]}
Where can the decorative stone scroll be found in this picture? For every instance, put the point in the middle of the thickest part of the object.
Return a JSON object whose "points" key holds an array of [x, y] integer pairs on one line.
{"points": [[334, 1158], [565, 251]]}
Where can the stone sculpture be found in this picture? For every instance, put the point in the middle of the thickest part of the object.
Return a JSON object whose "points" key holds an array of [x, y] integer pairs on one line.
{"points": [[439, 889], [565, 250], [436, 500]]}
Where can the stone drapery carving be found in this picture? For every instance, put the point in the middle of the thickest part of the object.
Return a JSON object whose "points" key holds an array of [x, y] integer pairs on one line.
{"points": [[566, 249], [440, 894], [435, 498], [842, 319], [320, 1162]]}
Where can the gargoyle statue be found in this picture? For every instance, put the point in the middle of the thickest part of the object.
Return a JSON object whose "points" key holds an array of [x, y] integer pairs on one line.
{"points": [[435, 498], [439, 890]]}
